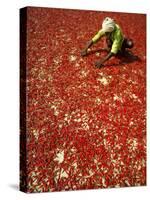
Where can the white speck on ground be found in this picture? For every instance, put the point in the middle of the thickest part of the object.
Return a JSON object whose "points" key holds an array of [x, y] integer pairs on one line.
{"points": [[59, 157], [131, 123], [67, 118], [117, 98], [103, 182], [74, 165], [72, 58], [77, 64], [56, 60], [132, 144], [104, 132], [103, 80], [63, 174], [98, 100], [59, 174], [56, 112], [85, 126], [127, 182], [84, 73], [77, 120], [97, 54], [91, 173], [134, 96], [36, 134]]}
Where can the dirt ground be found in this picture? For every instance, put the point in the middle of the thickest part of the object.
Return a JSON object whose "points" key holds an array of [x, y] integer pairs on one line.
{"points": [[86, 127]]}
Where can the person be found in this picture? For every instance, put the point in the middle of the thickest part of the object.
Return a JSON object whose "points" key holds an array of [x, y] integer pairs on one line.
{"points": [[115, 40]]}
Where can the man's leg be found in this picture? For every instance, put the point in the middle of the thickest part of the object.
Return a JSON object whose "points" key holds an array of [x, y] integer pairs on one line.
{"points": [[109, 44], [127, 43]]}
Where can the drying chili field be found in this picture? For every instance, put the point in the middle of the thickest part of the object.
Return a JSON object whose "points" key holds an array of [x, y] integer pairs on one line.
{"points": [[86, 127]]}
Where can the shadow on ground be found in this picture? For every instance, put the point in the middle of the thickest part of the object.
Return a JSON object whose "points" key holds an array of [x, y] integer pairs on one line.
{"points": [[125, 57]]}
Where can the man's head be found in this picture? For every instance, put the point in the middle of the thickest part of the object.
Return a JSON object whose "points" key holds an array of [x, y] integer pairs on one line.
{"points": [[108, 25]]}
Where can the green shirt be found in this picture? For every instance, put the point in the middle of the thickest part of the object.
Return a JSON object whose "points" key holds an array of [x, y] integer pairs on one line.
{"points": [[116, 37]]}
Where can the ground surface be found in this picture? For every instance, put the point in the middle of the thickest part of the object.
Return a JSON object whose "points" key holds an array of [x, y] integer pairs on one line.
{"points": [[86, 126]]}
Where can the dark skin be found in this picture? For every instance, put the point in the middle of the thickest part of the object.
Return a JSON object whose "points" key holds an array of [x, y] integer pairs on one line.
{"points": [[98, 63]]}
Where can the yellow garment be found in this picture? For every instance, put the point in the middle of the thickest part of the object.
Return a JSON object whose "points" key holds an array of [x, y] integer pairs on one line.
{"points": [[116, 37]]}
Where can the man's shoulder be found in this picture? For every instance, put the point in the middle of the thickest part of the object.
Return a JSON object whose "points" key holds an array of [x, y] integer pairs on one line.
{"points": [[118, 30], [118, 27]]}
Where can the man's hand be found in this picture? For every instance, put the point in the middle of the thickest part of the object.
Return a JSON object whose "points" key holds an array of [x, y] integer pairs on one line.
{"points": [[98, 64], [84, 52]]}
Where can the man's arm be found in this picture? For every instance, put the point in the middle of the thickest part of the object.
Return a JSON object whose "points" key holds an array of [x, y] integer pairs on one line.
{"points": [[101, 62], [92, 41], [114, 50], [88, 45]]}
